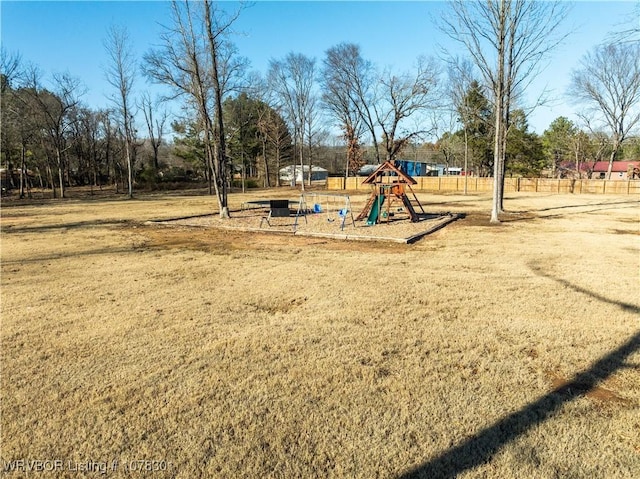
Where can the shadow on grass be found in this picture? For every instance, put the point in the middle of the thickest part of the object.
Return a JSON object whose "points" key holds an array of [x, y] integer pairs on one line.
{"points": [[64, 226], [481, 447], [109, 223], [528, 215], [624, 306], [605, 205], [71, 253]]}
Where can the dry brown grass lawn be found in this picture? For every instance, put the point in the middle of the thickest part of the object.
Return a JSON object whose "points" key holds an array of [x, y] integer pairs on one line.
{"points": [[504, 351]]}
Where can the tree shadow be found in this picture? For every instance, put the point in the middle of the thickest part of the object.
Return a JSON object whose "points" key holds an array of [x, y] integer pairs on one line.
{"points": [[594, 206], [481, 447], [604, 203], [72, 254], [624, 306], [8, 229], [542, 213]]}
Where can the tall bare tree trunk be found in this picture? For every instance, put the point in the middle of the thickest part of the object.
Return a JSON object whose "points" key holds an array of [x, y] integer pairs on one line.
{"points": [[217, 89], [22, 169], [129, 171], [121, 74], [60, 172], [612, 158], [277, 153], [499, 113], [466, 160], [524, 27], [267, 180], [51, 181], [301, 150]]}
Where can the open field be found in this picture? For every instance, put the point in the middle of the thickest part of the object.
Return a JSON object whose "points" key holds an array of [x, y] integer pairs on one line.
{"points": [[504, 351]]}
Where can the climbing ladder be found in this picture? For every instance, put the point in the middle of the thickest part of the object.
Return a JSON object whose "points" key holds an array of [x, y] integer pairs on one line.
{"points": [[367, 207]]}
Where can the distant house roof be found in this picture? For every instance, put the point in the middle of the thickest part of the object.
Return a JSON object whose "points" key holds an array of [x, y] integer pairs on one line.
{"points": [[571, 165], [366, 170], [617, 167], [305, 168]]}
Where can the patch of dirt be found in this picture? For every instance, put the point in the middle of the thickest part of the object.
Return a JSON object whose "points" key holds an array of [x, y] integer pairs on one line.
{"points": [[218, 240], [483, 219], [619, 231], [596, 393]]}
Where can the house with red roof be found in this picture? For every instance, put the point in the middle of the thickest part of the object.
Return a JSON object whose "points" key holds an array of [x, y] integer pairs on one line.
{"points": [[621, 170]]}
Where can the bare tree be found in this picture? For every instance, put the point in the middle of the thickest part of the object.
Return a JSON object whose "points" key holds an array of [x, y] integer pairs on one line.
{"points": [[179, 63], [507, 40], [402, 97], [630, 31], [121, 73], [263, 125], [233, 70], [608, 84], [55, 108], [155, 124], [313, 132], [350, 81], [275, 134], [196, 61], [292, 81], [461, 82], [217, 25], [90, 130], [17, 124], [342, 73], [110, 146], [579, 143], [10, 68]]}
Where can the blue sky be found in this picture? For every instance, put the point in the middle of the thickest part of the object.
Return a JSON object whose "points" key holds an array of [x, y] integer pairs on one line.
{"points": [[68, 36]]}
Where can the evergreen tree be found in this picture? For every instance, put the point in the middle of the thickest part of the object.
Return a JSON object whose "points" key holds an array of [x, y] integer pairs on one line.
{"points": [[558, 143]]}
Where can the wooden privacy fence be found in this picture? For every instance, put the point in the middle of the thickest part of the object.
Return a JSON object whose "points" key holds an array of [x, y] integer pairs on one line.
{"points": [[478, 184]]}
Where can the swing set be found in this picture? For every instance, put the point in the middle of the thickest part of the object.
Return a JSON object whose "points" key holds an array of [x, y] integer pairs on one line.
{"points": [[334, 207]]}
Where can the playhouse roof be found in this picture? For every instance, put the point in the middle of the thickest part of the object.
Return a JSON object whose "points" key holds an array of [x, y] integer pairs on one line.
{"points": [[385, 167]]}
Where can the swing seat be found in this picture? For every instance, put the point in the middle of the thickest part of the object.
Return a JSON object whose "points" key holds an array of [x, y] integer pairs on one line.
{"points": [[317, 208]]}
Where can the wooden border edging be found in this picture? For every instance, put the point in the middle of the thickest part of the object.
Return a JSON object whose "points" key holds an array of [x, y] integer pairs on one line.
{"points": [[338, 236], [434, 228], [345, 237]]}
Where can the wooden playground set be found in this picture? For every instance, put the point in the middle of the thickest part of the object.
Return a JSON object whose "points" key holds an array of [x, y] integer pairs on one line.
{"points": [[389, 201], [391, 212], [389, 190]]}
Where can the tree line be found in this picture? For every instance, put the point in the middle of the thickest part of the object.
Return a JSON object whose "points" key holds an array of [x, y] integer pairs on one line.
{"points": [[234, 122]]}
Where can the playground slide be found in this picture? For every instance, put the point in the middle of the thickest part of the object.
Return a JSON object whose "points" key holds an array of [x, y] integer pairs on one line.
{"points": [[375, 211]]}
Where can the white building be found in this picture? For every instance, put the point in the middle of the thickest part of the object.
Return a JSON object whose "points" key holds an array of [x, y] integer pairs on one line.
{"points": [[317, 173]]}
